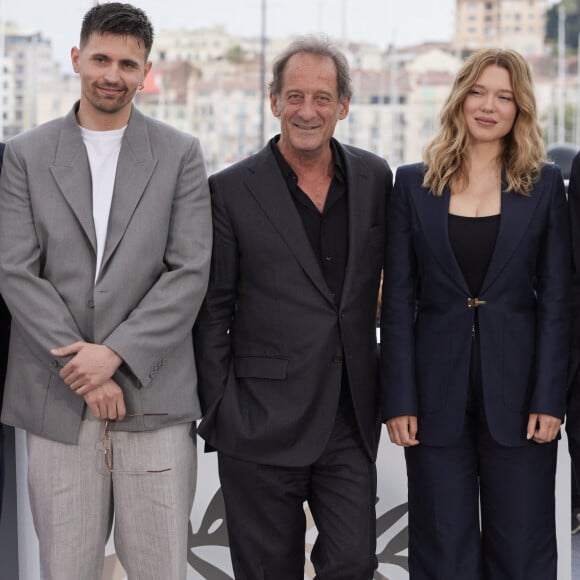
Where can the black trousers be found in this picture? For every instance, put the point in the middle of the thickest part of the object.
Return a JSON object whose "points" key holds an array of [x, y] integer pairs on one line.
{"points": [[516, 538], [267, 523]]}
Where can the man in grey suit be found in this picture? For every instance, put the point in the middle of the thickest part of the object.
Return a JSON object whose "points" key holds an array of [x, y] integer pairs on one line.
{"points": [[286, 339], [104, 258]]}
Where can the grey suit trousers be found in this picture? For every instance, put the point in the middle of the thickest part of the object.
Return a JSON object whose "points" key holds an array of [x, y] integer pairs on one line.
{"points": [[147, 482]]}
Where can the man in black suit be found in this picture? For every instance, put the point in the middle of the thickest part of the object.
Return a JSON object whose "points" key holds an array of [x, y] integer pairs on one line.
{"points": [[4, 336], [285, 342]]}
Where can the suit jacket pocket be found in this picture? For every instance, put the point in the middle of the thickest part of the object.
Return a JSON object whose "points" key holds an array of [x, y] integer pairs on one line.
{"points": [[260, 367]]}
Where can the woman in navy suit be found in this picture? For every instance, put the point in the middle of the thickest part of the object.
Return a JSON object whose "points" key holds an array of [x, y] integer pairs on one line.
{"points": [[475, 328]]}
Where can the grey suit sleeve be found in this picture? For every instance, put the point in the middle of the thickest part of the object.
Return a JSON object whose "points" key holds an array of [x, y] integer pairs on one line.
{"points": [[36, 306], [165, 315]]}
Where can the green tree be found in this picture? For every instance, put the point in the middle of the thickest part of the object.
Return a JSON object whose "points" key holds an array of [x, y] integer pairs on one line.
{"points": [[572, 23], [236, 54]]}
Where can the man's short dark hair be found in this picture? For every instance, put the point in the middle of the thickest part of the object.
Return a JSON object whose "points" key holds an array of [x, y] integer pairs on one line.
{"points": [[118, 18]]}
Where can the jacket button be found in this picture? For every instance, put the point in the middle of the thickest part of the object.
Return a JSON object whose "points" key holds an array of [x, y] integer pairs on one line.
{"points": [[91, 303]]}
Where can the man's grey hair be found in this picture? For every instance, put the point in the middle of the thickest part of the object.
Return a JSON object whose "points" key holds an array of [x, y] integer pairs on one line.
{"points": [[319, 46]]}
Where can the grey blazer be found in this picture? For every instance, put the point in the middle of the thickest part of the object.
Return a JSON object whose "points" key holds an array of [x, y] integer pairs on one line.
{"points": [[152, 281]]}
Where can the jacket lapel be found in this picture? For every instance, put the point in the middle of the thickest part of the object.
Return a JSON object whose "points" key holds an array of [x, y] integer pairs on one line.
{"points": [[358, 209], [134, 169], [72, 174], [516, 213], [267, 186], [433, 213]]}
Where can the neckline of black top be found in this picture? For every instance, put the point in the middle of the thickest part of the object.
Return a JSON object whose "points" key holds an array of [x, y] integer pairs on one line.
{"points": [[467, 217]]}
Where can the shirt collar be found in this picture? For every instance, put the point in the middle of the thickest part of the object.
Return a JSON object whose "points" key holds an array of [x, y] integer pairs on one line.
{"points": [[288, 172]]}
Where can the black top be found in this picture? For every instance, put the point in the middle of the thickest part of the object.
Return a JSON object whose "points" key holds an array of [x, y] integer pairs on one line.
{"points": [[326, 230], [473, 240]]}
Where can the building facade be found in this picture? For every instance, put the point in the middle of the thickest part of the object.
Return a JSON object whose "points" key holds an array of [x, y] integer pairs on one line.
{"points": [[515, 24]]}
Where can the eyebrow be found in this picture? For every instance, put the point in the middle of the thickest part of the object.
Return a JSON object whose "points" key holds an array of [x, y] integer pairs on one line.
{"points": [[479, 85], [108, 57]]}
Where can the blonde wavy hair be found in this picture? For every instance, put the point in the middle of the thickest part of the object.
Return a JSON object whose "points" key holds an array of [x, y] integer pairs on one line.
{"points": [[523, 151]]}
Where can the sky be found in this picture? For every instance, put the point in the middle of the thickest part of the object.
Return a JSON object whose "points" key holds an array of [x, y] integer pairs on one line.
{"points": [[401, 22]]}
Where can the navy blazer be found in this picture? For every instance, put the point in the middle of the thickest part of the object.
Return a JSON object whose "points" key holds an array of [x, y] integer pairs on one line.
{"points": [[523, 325], [573, 407]]}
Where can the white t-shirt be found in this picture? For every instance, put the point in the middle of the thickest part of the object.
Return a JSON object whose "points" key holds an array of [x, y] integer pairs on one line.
{"points": [[103, 151]]}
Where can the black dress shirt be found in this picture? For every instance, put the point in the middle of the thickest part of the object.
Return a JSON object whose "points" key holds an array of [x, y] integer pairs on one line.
{"points": [[326, 230]]}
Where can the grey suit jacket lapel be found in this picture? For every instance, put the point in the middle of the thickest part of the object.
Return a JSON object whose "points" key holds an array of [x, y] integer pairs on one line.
{"points": [[266, 184], [134, 169], [72, 174]]}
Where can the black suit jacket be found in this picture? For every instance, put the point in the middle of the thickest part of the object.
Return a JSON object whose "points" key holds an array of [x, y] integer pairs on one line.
{"points": [[4, 324], [573, 408], [268, 337]]}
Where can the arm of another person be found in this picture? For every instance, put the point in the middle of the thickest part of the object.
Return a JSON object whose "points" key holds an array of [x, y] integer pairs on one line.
{"points": [[553, 318], [212, 338], [4, 326], [399, 404]]}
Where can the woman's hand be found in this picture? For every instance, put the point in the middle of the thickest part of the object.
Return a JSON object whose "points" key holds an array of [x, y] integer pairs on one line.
{"points": [[403, 430], [543, 428]]}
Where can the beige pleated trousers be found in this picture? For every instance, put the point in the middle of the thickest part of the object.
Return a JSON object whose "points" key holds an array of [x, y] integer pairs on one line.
{"points": [[146, 488]]}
